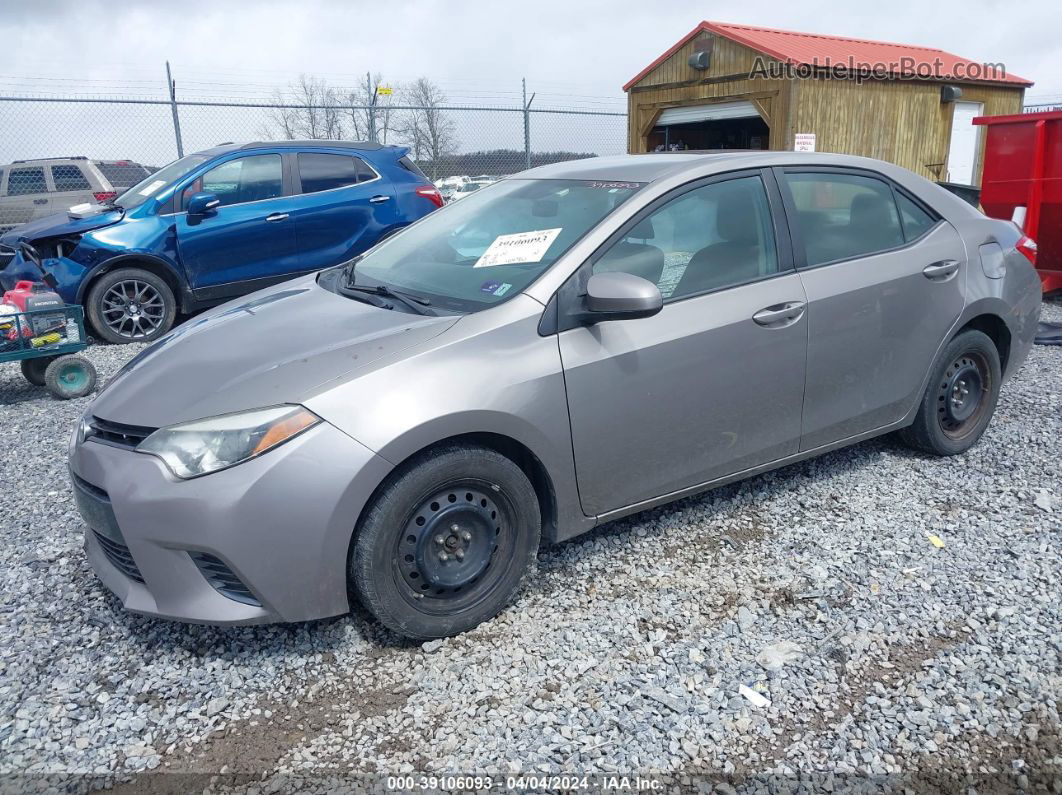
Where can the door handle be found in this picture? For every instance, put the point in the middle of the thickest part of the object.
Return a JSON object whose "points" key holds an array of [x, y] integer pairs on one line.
{"points": [[780, 315], [276, 217], [379, 199], [941, 271]]}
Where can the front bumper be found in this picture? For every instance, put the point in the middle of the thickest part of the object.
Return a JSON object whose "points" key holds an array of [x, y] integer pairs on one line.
{"points": [[67, 272], [280, 524]]}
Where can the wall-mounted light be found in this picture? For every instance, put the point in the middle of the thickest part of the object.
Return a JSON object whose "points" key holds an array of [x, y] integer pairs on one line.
{"points": [[701, 57], [950, 93]]}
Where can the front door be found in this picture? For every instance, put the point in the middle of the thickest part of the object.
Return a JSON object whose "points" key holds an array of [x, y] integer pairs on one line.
{"points": [[965, 143], [249, 240], [884, 278], [711, 385]]}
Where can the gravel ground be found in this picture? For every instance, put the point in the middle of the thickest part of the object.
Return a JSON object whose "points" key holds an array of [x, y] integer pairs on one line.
{"points": [[885, 659]]}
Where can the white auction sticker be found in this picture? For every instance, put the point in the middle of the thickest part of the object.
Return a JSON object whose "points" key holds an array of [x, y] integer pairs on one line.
{"points": [[154, 186], [523, 247]]}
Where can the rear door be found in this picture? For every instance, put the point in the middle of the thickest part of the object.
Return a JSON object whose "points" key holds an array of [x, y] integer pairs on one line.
{"points": [[713, 384], [71, 186], [249, 240], [344, 207], [27, 195], [885, 278]]}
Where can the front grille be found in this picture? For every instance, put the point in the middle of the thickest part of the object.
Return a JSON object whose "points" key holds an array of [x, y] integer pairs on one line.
{"points": [[223, 579], [118, 555], [117, 433]]}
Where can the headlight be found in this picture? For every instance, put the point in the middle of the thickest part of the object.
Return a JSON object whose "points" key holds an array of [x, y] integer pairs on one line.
{"points": [[203, 446]]}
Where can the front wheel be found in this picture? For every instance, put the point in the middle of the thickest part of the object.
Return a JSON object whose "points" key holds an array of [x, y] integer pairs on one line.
{"points": [[131, 305], [447, 543], [33, 369], [960, 398]]}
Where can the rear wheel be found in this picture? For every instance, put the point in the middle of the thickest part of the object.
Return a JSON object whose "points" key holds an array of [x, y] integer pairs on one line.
{"points": [[33, 369], [70, 377], [960, 399], [131, 305], [447, 544]]}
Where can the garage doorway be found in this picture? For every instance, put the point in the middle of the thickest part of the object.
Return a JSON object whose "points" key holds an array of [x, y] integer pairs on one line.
{"points": [[720, 125]]}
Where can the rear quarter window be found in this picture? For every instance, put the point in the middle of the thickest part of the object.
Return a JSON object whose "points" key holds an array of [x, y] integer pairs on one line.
{"points": [[410, 166]]}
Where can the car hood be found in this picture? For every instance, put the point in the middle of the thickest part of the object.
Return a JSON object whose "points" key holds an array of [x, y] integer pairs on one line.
{"points": [[274, 346], [60, 224]]}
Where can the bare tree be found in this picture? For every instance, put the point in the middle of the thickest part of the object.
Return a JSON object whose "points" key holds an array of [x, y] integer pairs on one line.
{"points": [[370, 114], [311, 110], [428, 130]]}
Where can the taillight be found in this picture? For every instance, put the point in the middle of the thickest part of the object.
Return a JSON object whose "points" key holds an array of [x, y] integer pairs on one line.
{"points": [[105, 195], [431, 193], [1027, 246]]}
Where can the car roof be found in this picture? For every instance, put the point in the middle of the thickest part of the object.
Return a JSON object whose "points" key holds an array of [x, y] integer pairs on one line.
{"points": [[360, 146], [655, 166]]}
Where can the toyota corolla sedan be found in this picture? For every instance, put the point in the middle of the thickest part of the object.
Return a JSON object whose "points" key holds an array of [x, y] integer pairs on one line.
{"points": [[562, 348]]}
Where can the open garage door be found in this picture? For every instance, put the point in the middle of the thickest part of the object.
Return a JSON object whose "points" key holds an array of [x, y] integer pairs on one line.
{"points": [[716, 125]]}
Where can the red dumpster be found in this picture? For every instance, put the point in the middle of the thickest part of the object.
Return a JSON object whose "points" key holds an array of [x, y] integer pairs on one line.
{"points": [[1023, 169]]}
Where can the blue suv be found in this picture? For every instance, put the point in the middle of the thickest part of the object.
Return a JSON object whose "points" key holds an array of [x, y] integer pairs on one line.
{"points": [[219, 224]]}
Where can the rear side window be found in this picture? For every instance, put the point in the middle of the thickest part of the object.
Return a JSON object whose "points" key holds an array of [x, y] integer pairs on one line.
{"points": [[122, 175], [409, 165], [22, 181], [841, 216], [69, 178], [916, 221], [318, 171]]}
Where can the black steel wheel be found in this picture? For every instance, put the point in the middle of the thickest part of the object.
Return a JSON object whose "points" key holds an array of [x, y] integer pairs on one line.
{"points": [[33, 369], [447, 543], [131, 305], [961, 397]]}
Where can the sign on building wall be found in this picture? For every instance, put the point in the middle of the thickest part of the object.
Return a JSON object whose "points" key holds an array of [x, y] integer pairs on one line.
{"points": [[804, 142]]}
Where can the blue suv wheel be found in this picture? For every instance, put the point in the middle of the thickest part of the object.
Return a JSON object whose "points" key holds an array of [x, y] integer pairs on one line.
{"points": [[130, 305]]}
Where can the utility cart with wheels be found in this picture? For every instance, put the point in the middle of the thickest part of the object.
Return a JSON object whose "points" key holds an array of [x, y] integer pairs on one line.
{"points": [[47, 342]]}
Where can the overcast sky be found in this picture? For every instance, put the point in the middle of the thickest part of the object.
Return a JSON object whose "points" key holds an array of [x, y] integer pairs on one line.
{"points": [[572, 53]]}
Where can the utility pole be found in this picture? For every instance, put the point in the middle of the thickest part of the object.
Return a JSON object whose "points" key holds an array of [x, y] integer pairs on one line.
{"points": [[372, 107], [527, 125], [172, 88]]}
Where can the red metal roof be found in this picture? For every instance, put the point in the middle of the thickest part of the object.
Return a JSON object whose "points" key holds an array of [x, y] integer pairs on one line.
{"points": [[819, 50]]}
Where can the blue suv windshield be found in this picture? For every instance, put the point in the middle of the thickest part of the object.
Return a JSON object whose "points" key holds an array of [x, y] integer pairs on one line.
{"points": [[165, 176]]}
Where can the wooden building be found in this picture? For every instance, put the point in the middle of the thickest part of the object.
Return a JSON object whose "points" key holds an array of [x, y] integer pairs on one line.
{"points": [[725, 86]]}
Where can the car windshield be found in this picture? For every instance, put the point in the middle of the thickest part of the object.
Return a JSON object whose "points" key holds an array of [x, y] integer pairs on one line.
{"points": [[490, 246], [151, 185]]}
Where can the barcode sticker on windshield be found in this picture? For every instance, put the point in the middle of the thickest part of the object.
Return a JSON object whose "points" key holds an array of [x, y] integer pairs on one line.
{"points": [[518, 249], [154, 186]]}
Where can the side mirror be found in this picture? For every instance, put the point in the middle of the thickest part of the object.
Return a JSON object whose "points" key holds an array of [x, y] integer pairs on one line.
{"points": [[203, 203], [620, 296]]}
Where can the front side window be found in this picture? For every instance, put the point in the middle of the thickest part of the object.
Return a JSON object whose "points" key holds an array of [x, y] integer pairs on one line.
{"points": [[490, 246], [23, 181], [245, 179], [318, 171], [712, 237], [69, 178], [841, 216]]}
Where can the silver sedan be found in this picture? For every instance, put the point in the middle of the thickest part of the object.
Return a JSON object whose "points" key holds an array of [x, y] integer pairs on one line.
{"points": [[562, 348]]}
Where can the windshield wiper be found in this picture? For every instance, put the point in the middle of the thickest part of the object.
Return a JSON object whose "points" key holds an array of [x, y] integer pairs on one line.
{"points": [[417, 303], [348, 271]]}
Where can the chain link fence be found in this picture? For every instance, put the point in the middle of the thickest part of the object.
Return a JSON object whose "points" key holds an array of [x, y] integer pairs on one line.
{"points": [[445, 141]]}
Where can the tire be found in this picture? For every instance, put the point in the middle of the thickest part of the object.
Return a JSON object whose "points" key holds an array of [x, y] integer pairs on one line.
{"points": [[960, 398], [70, 377], [130, 305], [33, 369], [447, 543]]}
